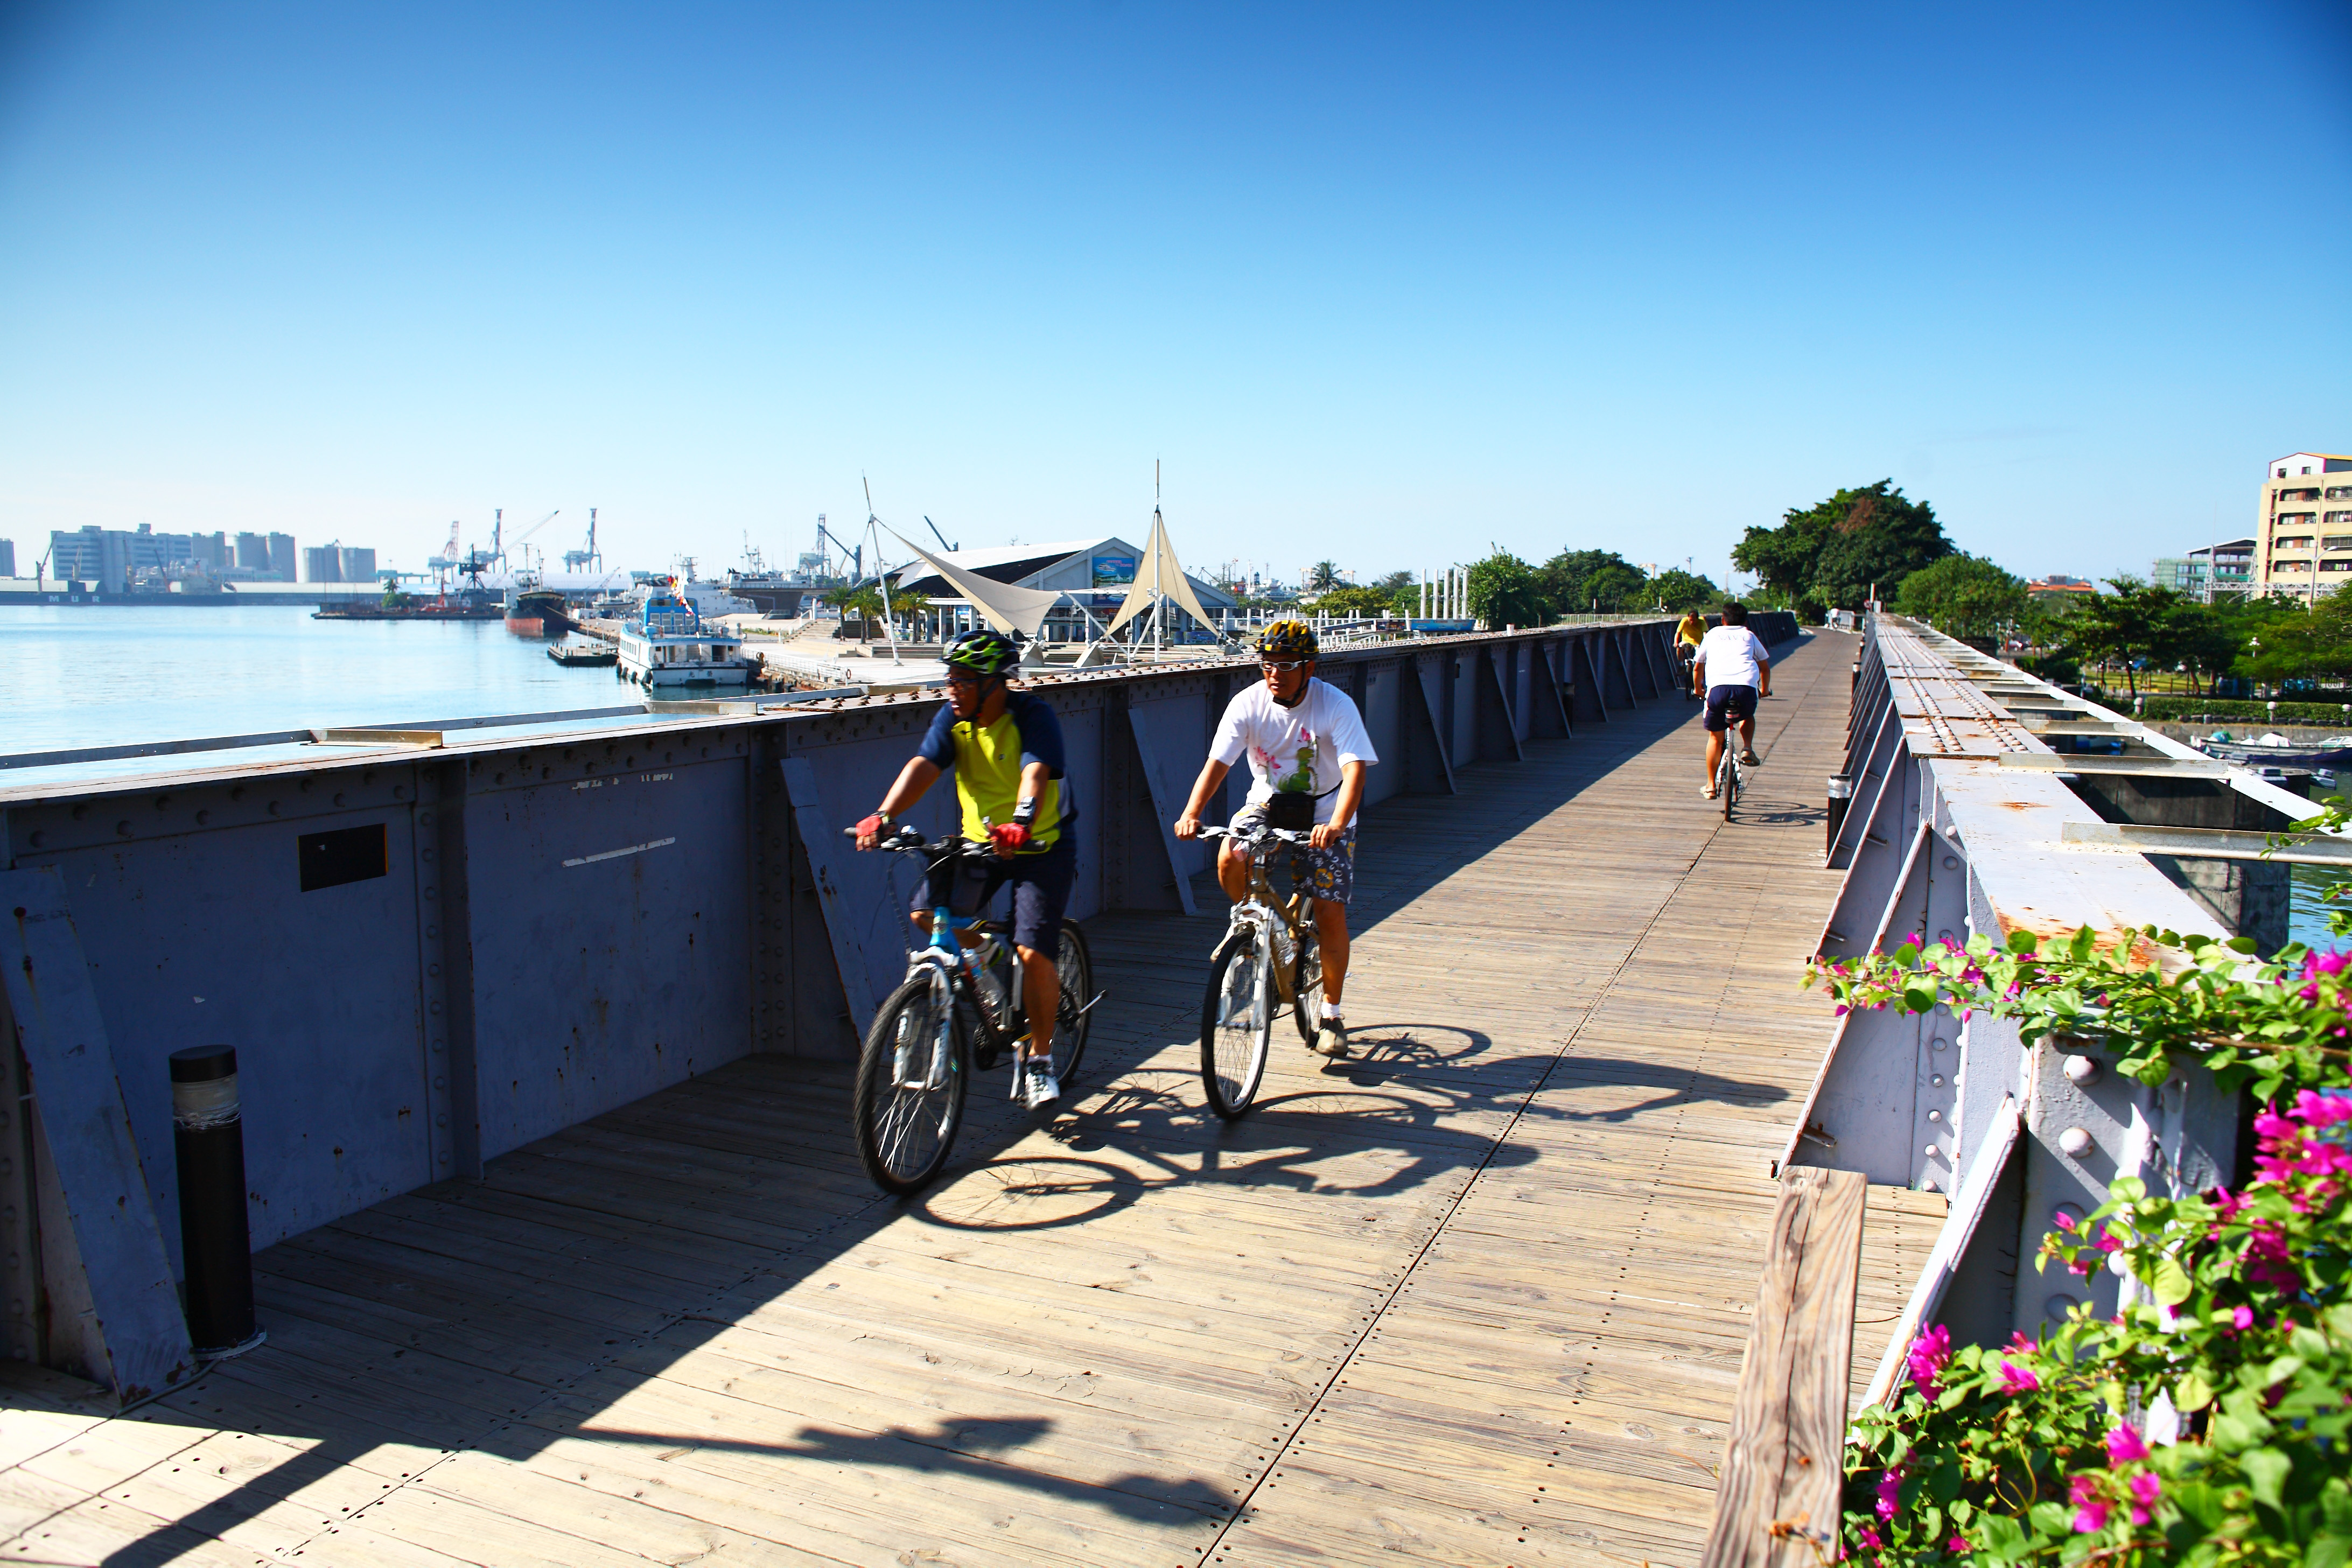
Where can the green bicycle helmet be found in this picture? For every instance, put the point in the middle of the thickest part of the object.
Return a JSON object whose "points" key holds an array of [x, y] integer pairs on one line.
{"points": [[1288, 639], [982, 651]]}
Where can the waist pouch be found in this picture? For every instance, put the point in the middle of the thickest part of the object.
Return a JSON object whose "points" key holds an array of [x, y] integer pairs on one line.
{"points": [[1292, 810]]}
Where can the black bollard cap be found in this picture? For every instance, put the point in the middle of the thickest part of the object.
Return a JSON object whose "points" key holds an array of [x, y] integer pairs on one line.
{"points": [[202, 1064]]}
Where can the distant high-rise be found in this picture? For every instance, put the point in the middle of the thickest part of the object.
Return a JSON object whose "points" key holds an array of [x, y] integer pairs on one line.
{"points": [[8, 558], [323, 563], [253, 551], [281, 556], [2306, 525], [358, 564], [211, 550]]}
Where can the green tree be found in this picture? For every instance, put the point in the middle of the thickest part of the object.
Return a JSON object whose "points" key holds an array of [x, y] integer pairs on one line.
{"points": [[1353, 601], [1830, 554], [1503, 591], [1963, 597], [1400, 587], [862, 602], [1321, 575], [1679, 590], [1578, 582], [2127, 627]]}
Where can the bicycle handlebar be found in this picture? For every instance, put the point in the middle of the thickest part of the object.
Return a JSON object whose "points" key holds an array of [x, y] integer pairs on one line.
{"points": [[908, 840]]}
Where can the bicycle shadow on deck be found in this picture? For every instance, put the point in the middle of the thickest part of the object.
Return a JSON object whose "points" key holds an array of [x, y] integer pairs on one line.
{"points": [[1413, 1106]]}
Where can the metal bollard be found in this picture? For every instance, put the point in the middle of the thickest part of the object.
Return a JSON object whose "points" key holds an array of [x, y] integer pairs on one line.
{"points": [[215, 1246], [1841, 792], [1854, 678]]}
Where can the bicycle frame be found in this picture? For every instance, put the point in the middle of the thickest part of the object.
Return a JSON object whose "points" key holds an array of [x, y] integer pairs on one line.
{"points": [[1260, 906]]}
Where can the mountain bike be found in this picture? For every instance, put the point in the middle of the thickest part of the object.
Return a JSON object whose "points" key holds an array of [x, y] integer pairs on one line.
{"points": [[1729, 775], [1268, 957], [958, 1009]]}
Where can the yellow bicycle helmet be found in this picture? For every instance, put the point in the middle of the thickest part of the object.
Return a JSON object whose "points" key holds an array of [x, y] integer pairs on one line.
{"points": [[1288, 639]]}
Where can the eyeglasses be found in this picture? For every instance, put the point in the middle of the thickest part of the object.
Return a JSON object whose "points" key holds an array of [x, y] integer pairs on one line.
{"points": [[955, 679], [1283, 666]]}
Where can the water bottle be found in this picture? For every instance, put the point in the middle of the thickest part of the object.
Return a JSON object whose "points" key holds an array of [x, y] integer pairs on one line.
{"points": [[990, 986], [1285, 951]]}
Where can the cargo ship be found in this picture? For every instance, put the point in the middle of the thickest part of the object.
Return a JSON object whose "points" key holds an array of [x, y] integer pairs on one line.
{"points": [[536, 612], [467, 606]]}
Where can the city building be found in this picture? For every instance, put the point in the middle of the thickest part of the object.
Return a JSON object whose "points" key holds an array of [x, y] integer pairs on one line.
{"points": [[281, 556], [8, 558], [2305, 537], [2227, 568], [2058, 586], [358, 564], [323, 563]]}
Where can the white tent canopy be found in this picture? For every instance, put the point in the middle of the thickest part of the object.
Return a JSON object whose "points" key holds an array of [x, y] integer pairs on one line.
{"points": [[1156, 574], [1007, 608]]}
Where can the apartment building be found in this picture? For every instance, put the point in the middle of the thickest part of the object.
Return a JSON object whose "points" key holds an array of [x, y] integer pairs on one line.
{"points": [[2227, 568], [2306, 525]]}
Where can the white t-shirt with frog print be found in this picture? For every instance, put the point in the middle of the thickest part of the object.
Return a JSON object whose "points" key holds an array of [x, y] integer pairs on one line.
{"points": [[1294, 748]]}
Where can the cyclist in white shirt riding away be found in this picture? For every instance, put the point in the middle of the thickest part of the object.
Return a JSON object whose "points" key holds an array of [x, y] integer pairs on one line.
{"points": [[1307, 751], [1732, 670]]}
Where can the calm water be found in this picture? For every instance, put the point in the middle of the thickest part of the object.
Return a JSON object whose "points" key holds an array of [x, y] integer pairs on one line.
{"points": [[109, 675]]}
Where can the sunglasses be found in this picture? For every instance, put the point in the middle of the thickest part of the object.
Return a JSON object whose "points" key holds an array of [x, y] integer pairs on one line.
{"points": [[1284, 666]]}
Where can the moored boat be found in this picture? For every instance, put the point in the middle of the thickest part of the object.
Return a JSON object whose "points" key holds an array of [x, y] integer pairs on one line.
{"points": [[536, 612], [671, 645]]}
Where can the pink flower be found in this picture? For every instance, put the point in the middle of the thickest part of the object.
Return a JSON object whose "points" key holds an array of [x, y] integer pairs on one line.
{"points": [[2243, 1318], [1958, 1544], [2065, 1222], [2316, 1109], [1926, 1357], [2145, 1489], [2125, 1447], [2110, 1240], [2090, 1513], [1870, 1538], [2019, 1343], [1890, 1494], [2015, 1379]]}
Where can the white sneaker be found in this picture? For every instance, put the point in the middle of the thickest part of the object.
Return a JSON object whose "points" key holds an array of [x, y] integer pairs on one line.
{"points": [[1039, 1090]]}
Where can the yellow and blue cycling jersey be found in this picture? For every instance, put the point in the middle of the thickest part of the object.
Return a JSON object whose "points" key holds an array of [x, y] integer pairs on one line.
{"points": [[987, 760]]}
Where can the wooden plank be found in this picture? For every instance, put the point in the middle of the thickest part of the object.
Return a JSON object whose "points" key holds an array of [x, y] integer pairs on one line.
{"points": [[1782, 1467]]}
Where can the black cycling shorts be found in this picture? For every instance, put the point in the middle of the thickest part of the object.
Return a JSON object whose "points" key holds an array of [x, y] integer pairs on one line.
{"points": [[1728, 704], [1041, 891]]}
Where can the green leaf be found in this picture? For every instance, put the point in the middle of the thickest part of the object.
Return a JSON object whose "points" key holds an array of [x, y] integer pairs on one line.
{"points": [[2194, 1394], [2171, 1285], [2266, 1471], [2023, 943], [2330, 1551]]}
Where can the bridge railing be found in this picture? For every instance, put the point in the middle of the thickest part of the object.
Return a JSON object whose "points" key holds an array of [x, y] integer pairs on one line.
{"points": [[434, 944], [1984, 801]]}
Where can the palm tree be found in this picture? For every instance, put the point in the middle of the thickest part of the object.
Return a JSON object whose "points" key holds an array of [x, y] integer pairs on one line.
{"points": [[1321, 575]]}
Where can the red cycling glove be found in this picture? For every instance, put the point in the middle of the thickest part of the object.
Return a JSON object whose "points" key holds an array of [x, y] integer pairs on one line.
{"points": [[1010, 836], [871, 826]]}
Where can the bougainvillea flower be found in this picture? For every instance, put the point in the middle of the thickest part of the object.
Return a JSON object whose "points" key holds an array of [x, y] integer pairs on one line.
{"points": [[2241, 1318], [1890, 1494], [2126, 1446], [1926, 1357], [2090, 1513], [2015, 1379]]}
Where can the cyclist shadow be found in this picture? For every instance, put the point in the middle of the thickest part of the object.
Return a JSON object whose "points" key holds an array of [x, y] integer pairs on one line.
{"points": [[1764, 811], [1333, 1128]]}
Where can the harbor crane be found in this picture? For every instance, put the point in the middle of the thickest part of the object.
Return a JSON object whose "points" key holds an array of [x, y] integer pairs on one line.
{"points": [[589, 559]]}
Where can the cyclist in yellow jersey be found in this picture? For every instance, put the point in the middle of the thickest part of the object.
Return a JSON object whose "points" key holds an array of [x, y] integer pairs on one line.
{"points": [[1005, 748], [1687, 636]]}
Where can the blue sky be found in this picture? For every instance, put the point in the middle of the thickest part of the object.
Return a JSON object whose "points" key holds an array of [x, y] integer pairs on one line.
{"points": [[1384, 285]]}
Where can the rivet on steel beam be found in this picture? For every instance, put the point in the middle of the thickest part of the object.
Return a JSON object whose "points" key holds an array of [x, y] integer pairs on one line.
{"points": [[2074, 1142], [2055, 1308], [2081, 1071]]}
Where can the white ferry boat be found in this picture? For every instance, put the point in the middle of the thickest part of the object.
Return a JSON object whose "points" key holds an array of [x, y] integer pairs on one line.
{"points": [[670, 645]]}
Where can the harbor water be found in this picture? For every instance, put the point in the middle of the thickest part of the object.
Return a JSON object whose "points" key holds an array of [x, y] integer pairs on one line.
{"points": [[106, 675]]}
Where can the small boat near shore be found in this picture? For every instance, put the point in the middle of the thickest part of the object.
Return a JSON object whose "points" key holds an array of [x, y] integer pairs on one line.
{"points": [[584, 656]]}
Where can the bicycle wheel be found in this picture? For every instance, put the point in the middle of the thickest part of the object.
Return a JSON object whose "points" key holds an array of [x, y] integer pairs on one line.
{"points": [[1236, 1022], [1306, 985], [1073, 968], [1728, 779], [911, 1078]]}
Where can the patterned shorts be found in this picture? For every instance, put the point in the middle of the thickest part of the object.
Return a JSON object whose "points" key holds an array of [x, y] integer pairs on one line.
{"points": [[1330, 873]]}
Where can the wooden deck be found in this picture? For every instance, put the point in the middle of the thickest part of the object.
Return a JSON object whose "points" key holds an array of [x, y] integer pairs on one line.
{"points": [[1476, 1296]]}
